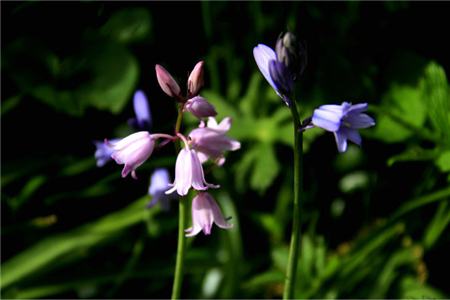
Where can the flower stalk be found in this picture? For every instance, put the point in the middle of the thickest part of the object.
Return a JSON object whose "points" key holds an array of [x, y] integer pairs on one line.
{"points": [[291, 271], [182, 211]]}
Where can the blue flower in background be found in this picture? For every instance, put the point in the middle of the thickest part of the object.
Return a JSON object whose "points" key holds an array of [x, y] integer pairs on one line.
{"points": [[159, 184], [344, 121], [143, 119], [103, 152], [142, 122]]}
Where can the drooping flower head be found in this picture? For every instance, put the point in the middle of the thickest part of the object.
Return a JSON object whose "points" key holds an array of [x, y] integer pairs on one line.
{"points": [[205, 212], [344, 121], [211, 142], [132, 151], [159, 184], [188, 172]]}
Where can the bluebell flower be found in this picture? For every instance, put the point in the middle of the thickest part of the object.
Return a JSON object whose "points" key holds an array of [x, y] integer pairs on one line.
{"points": [[141, 122], [205, 213], [143, 119], [275, 72], [103, 152], [344, 121], [159, 184]]}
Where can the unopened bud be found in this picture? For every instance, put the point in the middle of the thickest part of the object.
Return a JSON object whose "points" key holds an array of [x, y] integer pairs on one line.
{"points": [[292, 53], [167, 83], [200, 108], [195, 80]]}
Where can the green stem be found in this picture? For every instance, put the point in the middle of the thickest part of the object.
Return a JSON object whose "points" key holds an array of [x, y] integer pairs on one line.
{"points": [[295, 235], [181, 247], [181, 250]]}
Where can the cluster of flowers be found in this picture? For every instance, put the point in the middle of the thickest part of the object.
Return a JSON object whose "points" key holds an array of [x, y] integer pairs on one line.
{"points": [[282, 66], [208, 142]]}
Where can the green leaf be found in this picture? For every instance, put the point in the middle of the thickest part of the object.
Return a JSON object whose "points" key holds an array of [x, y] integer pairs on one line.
{"points": [[437, 225], [102, 74], [411, 288], [414, 153], [27, 191], [55, 247], [405, 103], [10, 103], [436, 94], [266, 168], [128, 25], [443, 161]]}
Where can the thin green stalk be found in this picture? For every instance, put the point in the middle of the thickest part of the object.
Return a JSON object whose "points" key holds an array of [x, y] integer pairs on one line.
{"points": [[298, 186], [181, 250], [181, 247]]}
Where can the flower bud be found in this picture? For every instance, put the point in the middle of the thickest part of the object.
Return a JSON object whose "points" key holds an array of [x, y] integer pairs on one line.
{"points": [[167, 83], [195, 80], [200, 108], [292, 53]]}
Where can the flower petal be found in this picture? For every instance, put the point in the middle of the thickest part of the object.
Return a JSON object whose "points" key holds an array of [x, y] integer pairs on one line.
{"points": [[357, 108], [359, 120], [341, 141], [327, 119], [263, 54], [352, 134]]}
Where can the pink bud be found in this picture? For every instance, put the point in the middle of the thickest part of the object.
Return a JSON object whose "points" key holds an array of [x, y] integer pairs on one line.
{"points": [[195, 80], [200, 108], [166, 82]]}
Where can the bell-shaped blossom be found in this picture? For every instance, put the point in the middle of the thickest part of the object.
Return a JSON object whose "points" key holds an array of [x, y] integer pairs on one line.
{"points": [[200, 107], [143, 119], [159, 184], [211, 142], [344, 121], [275, 72], [167, 83], [205, 212], [103, 152], [132, 151], [195, 80], [189, 173]]}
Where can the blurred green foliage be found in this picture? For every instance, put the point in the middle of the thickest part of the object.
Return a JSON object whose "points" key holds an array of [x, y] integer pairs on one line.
{"points": [[374, 219]]}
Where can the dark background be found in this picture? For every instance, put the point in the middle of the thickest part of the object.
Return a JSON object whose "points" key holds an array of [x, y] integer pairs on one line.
{"points": [[355, 51]]}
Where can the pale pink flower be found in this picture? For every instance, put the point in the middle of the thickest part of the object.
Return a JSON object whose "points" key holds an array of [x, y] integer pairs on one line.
{"points": [[132, 151], [189, 173], [205, 212], [200, 107], [211, 142]]}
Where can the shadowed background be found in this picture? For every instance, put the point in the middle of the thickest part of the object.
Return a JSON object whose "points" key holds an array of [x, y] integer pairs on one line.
{"points": [[374, 220]]}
